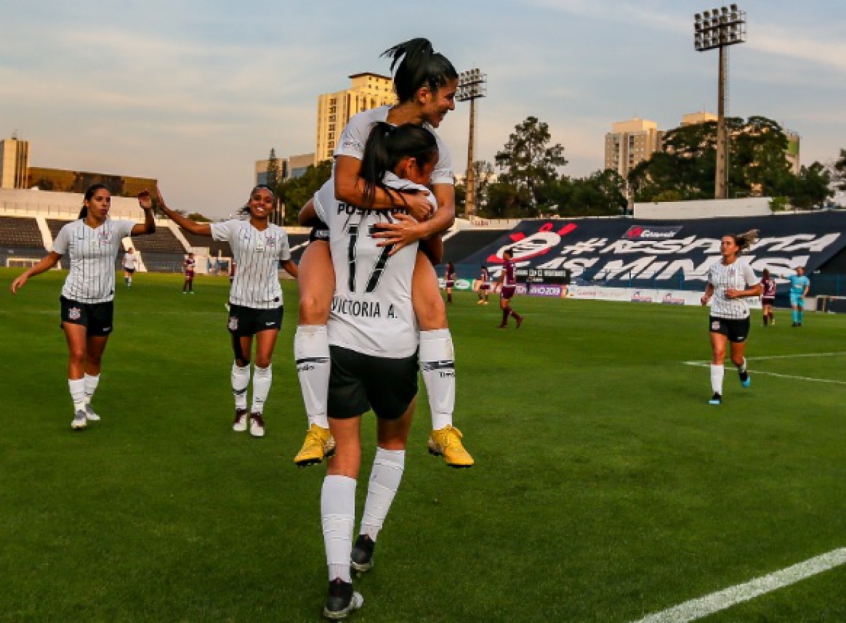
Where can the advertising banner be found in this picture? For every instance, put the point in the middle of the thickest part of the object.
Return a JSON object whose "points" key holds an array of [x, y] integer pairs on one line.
{"points": [[668, 255]]}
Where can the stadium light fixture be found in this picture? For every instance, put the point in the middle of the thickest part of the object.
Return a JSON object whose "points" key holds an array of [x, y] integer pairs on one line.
{"points": [[472, 85], [720, 28]]}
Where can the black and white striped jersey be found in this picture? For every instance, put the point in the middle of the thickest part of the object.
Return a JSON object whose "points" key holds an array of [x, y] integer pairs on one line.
{"points": [[257, 254], [735, 276], [92, 253]]}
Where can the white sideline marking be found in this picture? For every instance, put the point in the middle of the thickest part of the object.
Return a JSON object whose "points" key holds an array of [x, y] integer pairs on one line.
{"points": [[704, 606], [705, 364]]}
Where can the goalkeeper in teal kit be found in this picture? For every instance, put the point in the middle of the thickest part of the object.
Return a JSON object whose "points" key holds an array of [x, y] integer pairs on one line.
{"points": [[799, 286]]}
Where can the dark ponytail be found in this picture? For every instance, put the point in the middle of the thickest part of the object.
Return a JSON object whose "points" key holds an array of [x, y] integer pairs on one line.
{"points": [[418, 65], [385, 147], [83, 213]]}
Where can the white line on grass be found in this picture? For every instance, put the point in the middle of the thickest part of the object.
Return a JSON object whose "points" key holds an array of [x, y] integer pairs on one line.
{"points": [[706, 364], [715, 602]]}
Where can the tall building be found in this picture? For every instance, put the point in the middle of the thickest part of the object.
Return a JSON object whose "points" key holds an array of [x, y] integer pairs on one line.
{"points": [[630, 142], [334, 110], [697, 117], [289, 168], [14, 163]]}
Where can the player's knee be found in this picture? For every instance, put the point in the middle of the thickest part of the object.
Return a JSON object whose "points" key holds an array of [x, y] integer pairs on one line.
{"points": [[313, 310]]}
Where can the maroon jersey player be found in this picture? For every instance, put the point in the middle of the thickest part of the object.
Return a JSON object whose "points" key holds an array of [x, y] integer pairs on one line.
{"points": [[507, 283], [768, 297]]}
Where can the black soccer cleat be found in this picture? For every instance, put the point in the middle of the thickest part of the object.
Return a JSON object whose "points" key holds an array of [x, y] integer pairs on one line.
{"points": [[716, 399], [361, 557], [342, 600]]}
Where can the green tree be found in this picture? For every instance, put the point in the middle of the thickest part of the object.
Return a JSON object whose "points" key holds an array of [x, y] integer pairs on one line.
{"points": [[272, 170], [529, 163], [812, 187], [839, 172], [199, 218], [296, 192]]}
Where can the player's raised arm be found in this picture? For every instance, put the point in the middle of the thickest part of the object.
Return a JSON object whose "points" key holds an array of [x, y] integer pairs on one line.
{"points": [[201, 229], [149, 224]]}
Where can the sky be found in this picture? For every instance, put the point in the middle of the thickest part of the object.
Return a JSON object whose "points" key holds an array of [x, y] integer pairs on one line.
{"points": [[193, 93]]}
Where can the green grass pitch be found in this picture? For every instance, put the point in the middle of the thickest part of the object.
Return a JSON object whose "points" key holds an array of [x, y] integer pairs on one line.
{"points": [[605, 488]]}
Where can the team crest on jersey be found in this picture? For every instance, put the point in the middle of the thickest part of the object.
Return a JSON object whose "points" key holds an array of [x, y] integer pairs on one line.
{"points": [[105, 237], [233, 323], [74, 313], [270, 241]]}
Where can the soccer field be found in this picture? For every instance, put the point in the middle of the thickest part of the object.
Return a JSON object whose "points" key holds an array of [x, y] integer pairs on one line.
{"points": [[605, 487]]}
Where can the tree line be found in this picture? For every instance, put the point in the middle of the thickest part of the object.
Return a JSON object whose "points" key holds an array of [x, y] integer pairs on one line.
{"points": [[526, 178]]}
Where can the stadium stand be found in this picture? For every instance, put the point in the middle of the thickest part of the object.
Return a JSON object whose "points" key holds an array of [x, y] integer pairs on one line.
{"points": [[216, 247], [20, 232], [19, 238], [467, 242]]}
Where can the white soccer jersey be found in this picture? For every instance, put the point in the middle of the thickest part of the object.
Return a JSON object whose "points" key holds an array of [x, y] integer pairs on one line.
{"points": [[355, 134], [735, 276], [92, 253], [257, 254], [371, 308], [129, 261]]}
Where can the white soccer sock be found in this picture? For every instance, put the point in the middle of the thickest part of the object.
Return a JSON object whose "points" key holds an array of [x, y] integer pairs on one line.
{"points": [[91, 382], [311, 353], [337, 513], [262, 379], [742, 367], [437, 363], [385, 479], [77, 392], [240, 382], [717, 373]]}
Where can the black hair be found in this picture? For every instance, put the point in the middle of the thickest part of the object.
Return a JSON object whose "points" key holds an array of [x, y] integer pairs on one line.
{"points": [[509, 251], [385, 147], [418, 65], [83, 213], [244, 211]]}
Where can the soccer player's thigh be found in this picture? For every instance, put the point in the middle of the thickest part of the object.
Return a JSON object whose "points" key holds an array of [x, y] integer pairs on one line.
{"points": [[267, 326], [429, 307], [391, 390], [241, 327], [316, 283], [347, 401], [719, 338]]}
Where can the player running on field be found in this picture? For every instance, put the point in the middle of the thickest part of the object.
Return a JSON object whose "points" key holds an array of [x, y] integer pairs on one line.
{"points": [[730, 282], [92, 243], [768, 293], [484, 286], [129, 262], [255, 298], [507, 284], [799, 286]]}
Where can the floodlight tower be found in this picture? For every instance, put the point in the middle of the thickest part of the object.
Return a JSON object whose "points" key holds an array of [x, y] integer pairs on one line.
{"points": [[472, 85], [720, 28]]}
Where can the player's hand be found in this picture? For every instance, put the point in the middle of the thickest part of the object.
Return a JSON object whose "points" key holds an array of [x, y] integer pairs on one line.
{"points": [[731, 293], [705, 298], [405, 231], [18, 283], [417, 203], [145, 200]]}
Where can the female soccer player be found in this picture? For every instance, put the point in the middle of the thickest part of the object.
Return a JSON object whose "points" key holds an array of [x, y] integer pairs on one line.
{"points": [[255, 298], [189, 265], [92, 242], [507, 283], [768, 292], [128, 263], [425, 83], [373, 345], [484, 286], [799, 286], [449, 280], [730, 281]]}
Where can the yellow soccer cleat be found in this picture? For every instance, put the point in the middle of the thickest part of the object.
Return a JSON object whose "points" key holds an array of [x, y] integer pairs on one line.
{"points": [[318, 445], [446, 442]]}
